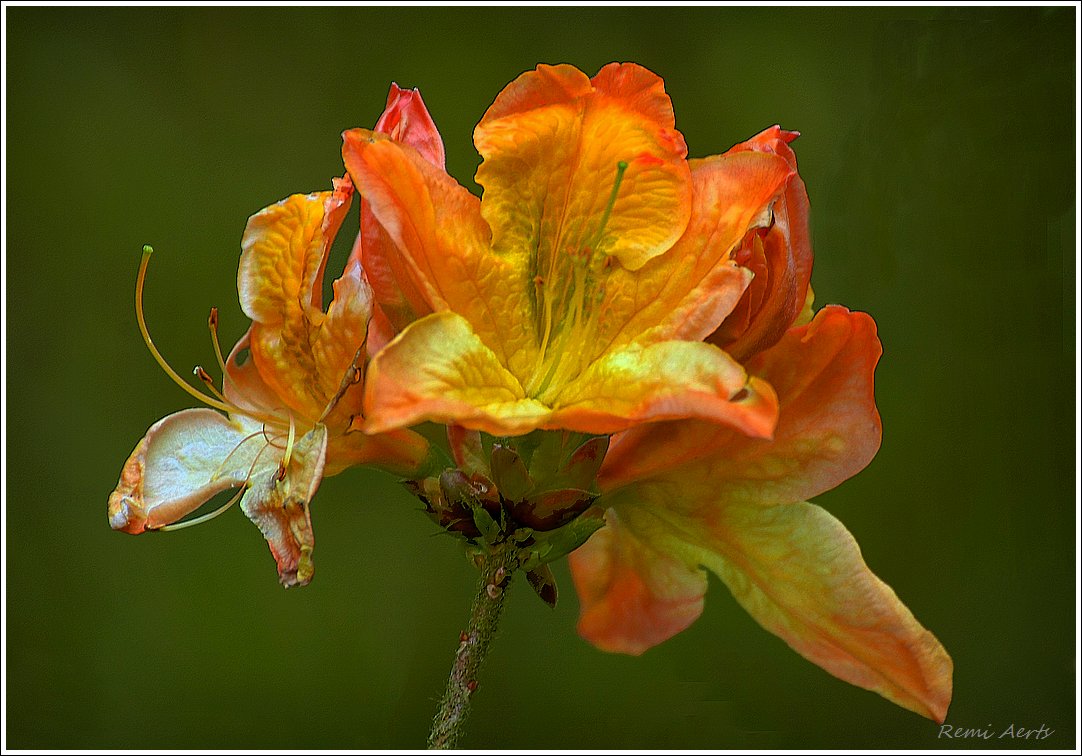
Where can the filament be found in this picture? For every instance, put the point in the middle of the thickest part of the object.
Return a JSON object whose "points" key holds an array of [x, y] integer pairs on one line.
{"points": [[224, 406], [220, 510], [208, 381], [207, 517], [284, 464], [212, 324]]}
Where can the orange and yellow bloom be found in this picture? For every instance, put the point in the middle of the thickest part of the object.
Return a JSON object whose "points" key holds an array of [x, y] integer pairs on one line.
{"points": [[612, 328], [606, 284]]}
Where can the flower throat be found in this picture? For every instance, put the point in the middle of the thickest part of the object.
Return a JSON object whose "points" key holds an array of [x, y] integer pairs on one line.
{"points": [[568, 298]]}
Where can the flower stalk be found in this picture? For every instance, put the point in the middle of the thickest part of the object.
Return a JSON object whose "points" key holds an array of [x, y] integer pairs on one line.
{"points": [[496, 569]]}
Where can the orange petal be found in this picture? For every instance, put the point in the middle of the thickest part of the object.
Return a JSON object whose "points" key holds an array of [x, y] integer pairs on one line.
{"points": [[406, 120], [632, 596], [244, 386], [277, 502], [441, 244], [669, 379], [688, 291], [184, 460], [301, 352], [438, 369], [798, 572], [551, 144], [828, 427], [780, 256]]}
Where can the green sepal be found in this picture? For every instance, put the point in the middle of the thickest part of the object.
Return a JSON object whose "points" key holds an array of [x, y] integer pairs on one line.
{"points": [[555, 544], [509, 473]]}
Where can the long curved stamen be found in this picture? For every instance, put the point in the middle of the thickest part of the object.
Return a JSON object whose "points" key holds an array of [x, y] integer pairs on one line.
{"points": [[212, 324], [204, 518], [272, 440], [207, 400]]}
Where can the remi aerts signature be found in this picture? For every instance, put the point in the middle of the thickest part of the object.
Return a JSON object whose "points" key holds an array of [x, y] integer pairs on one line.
{"points": [[1012, 731]]}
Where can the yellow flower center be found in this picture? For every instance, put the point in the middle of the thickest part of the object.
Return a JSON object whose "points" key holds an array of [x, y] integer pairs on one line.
{"points": [[568, 297]]}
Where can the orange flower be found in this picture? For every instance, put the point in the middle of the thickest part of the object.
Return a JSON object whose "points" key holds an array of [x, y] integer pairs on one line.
{"points": [[575, 295], [684, 495], [291, 392]]}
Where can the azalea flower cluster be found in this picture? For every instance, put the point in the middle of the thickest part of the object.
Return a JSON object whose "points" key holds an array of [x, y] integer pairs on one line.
{"points": [[621, 344]]}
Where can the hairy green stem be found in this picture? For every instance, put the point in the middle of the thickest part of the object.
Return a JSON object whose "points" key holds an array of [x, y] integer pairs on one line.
{"points": [[496, 569]]}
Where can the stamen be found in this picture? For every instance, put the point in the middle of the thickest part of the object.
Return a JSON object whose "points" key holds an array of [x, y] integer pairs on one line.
{"points": [[621, 167], [242, 442], [208, 381], [272, 441], [562, 333], [224, 406], [212, 323], [204, 518], [284, 464]]}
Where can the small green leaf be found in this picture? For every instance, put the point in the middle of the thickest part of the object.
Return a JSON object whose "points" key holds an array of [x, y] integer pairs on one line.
{"points": [[509, 473]]}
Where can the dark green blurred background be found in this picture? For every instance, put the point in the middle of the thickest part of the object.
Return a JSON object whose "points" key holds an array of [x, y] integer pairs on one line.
{"points": [[938, 152]]}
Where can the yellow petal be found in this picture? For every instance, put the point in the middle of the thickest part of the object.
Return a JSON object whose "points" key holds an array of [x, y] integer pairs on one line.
{"points": [[184, 460], [551, 144], [661, 381], [438, 369], [300, 351], [277, 503], [443, 261]]}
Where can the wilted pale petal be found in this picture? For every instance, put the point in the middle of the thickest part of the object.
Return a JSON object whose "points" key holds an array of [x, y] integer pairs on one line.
{"points": [[277, 503], [184, 460]]}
